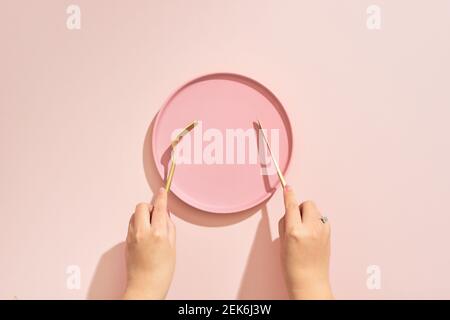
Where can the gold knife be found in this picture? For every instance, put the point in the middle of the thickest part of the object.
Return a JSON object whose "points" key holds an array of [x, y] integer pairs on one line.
{"points": [[280, 175]]}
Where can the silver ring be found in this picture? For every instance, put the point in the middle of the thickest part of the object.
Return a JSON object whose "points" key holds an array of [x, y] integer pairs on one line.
{"points": [[323, 219]]}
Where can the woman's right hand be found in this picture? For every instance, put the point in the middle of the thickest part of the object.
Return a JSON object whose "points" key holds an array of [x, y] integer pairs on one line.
{"points": [[305, 249]]}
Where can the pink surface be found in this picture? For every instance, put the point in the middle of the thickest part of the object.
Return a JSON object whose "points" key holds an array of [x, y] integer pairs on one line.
{"points": [[222, 102], [369, 113]]}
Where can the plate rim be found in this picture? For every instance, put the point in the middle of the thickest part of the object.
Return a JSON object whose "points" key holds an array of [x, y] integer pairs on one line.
{"points": [[195, 204]]}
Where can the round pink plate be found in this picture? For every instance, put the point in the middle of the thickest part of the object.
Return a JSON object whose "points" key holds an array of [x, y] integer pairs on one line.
{"points": [[217, 168]]}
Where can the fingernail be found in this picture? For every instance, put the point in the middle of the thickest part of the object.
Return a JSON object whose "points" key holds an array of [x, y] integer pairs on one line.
{"points": [[287, 187], [162, 190]]}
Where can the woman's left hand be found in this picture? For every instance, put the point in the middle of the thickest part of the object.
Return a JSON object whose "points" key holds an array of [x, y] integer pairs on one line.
{"points": [[150, 250]]}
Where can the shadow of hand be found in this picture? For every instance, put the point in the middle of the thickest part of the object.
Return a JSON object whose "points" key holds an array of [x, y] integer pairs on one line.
{"points": [[263, 277], [109, 279]]}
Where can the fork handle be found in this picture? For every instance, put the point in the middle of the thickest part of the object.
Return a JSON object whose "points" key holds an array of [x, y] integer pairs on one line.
{"points": [[170, 175]]}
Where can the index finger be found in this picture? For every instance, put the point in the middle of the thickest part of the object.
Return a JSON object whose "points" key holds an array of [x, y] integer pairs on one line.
{"points": [[292, 214]]}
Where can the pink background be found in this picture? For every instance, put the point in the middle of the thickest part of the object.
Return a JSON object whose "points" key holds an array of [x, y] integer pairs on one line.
{"points": [[369, 109]]}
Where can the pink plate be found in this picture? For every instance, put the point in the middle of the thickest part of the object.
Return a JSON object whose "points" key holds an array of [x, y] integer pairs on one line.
{"points": [[217, 167]]}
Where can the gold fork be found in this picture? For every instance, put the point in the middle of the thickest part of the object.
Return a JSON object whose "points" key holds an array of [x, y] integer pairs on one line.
{"points": [[173, 144]]}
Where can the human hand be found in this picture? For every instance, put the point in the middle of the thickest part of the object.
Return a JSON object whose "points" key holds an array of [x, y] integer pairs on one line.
{"points": [[305, 249], [150, 250]]}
